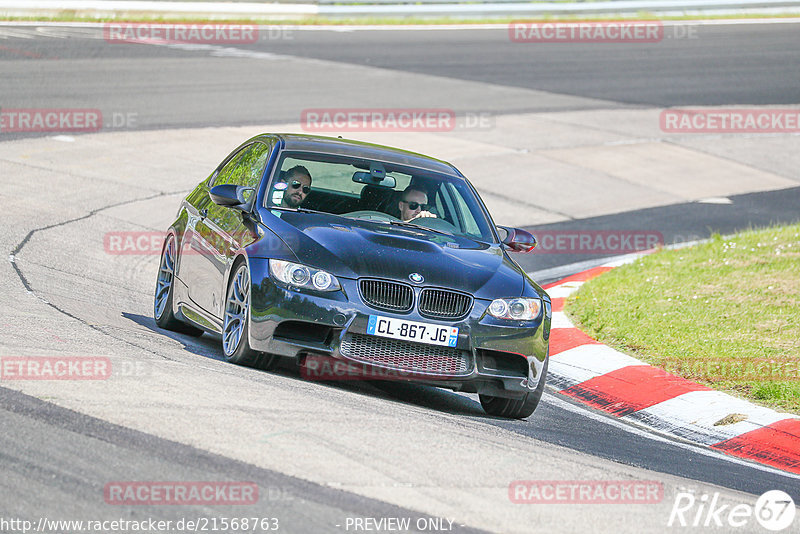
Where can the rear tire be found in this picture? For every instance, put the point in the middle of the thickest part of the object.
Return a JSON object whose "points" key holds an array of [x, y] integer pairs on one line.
{"points": [[515, 408], [165, 289], [236, 326]]}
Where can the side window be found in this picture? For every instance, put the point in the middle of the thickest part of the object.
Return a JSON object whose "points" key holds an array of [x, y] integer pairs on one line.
{"points": [[466, 221], [246, 167], [226, 171], [444, 206], [470, 226]]}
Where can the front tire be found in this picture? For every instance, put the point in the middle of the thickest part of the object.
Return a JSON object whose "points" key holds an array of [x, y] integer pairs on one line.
{"points": [[516, 408], [165, 289], [235, 329]]}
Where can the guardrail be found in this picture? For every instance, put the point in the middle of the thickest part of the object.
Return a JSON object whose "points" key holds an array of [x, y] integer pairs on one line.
{"points": [[385, 8]]}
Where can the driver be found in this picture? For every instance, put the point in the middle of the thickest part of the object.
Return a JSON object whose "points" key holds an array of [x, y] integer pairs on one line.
{"points": [[414, 204], [298, 181]]}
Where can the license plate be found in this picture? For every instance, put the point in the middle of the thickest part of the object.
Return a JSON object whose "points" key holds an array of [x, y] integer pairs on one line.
{"points": [[412, 331]]}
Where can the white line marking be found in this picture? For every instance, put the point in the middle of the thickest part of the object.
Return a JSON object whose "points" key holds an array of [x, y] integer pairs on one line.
{"points": [[715, 200]]}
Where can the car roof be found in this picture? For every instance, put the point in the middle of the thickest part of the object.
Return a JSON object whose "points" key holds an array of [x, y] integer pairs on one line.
{"points": [[349, 147]]}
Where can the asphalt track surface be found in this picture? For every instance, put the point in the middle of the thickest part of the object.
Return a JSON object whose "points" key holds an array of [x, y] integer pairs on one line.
{"points": [[75, 454], [177, 87]]}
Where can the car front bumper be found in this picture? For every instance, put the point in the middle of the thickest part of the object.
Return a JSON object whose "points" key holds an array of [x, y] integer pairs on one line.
{"points": [[500, 358]]}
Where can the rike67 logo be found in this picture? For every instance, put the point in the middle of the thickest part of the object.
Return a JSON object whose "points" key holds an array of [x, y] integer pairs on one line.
{"points": [[774, 511]]}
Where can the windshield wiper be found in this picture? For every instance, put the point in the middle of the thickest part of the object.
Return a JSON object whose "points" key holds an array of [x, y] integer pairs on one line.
{"points": [[396, 223], [412, 225], [300, 210]]}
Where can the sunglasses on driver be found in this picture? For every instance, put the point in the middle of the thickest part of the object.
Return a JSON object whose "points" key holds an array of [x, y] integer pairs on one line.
{"points": [[414, 205], [296, 185]]}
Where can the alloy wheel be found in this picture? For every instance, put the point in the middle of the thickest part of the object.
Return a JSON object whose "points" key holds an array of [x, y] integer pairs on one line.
{"points": [[166, 275], [236, 308]]}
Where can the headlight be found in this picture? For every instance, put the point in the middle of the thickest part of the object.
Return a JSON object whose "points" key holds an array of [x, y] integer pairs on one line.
{"points": [[519, 309], [300, 276]]}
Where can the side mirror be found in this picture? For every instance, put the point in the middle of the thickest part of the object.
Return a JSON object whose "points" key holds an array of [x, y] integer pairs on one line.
{"points": [[517, 239], [232, 196]]}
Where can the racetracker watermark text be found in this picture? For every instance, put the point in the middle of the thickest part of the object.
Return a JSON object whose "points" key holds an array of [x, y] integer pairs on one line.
{"points": [[147, 33], [50, 120], [628, 31], [145, 243], [715, 369], [64, 120], [717, 121], [180, 493], [70, 368], [586, 492], [325, 368], [55, 368], [378, 120], [596, 241], [139, 243]]}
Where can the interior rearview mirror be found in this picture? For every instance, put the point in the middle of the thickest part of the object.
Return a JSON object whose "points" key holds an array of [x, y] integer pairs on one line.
{"points": [[364, 177]]}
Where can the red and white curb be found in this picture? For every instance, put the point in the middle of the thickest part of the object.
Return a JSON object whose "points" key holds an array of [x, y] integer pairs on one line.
{"points": [[606, 379]]}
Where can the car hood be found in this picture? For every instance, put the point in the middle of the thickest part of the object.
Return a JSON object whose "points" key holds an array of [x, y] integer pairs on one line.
{"points": [[354, 249]]}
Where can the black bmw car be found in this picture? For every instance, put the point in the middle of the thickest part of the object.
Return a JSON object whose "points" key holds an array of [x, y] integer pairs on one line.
{"points": [[308, 247]]}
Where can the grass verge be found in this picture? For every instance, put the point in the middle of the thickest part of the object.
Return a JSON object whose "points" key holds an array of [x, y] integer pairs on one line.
{"points": [[725, 313]]}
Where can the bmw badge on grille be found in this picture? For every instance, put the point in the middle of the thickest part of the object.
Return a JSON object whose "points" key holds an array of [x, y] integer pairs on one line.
{"points": [[416, 278]]}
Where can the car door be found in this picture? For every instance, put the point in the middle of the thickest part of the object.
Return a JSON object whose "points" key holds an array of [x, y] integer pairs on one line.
{"points": [[218, 232]]}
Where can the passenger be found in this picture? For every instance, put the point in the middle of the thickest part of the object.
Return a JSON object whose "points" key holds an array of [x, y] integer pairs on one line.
{"points": [[298, 181], [414, 204]]}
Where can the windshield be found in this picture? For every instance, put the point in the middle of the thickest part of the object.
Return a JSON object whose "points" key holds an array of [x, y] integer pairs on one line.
{"points": [[377, 191]]}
